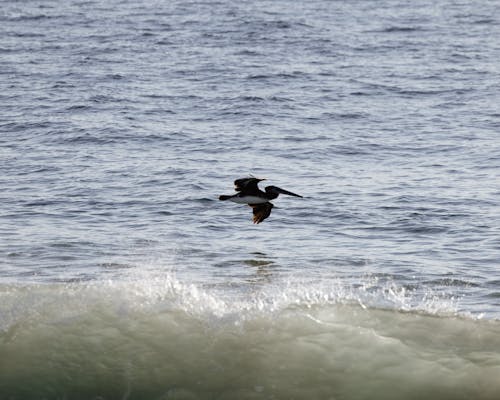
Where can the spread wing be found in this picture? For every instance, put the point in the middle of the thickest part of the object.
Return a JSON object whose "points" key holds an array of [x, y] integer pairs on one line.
{"points": [[246, 184], [261, 211]]}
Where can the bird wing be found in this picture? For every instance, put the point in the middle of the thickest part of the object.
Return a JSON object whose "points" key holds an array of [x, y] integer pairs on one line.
{"points": [[246, 184], [261, 211]]}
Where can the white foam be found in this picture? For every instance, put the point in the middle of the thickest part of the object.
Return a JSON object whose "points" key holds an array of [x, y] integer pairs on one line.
{"points": [[324, 337]]}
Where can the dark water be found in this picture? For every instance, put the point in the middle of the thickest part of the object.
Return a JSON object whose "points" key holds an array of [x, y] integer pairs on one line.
{"points": [[122, 276]]}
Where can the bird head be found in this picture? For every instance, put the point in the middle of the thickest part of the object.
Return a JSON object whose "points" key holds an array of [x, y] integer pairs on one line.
{"points": [[274, 190]]}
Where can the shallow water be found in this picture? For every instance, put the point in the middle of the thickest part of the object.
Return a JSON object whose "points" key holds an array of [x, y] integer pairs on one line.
{"points": [[121, 124]]}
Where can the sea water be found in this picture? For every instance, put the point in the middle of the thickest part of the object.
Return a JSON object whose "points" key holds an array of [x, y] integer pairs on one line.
{"points": [[123, 277]]}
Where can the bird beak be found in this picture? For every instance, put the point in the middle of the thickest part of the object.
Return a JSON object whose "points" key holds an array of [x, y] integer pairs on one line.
{"points": [[287, 192]]}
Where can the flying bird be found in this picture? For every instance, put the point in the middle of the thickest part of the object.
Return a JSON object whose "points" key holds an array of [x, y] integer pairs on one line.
{"points": [[249, 193]]}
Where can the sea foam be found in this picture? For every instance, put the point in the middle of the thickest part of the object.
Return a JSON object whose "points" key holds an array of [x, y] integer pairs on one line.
{"points": [[157, 337]]}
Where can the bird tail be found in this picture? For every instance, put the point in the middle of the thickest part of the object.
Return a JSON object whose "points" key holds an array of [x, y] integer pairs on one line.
{"points": [[224, 197]]}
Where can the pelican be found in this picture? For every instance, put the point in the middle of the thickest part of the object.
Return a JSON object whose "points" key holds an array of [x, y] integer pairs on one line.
{"points": [[249, 193]]}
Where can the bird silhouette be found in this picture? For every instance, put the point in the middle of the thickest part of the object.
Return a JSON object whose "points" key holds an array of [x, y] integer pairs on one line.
{"points": [[249, 193]]}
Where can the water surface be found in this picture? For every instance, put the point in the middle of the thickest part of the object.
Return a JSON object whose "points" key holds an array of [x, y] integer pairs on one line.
{"points": [[123, 276]]}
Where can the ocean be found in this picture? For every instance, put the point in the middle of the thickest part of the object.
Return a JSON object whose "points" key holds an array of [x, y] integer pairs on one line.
{"points": [[122, 276]]}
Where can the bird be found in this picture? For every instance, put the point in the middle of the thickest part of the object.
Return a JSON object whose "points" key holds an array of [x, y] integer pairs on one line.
{"points": [[249, 193]]}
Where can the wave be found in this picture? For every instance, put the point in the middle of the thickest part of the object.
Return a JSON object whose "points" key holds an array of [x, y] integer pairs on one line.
{"points": [[159, 338]]}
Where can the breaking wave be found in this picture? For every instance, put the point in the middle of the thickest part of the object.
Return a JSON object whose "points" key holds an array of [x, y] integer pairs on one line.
{"points": [[159, 338]]}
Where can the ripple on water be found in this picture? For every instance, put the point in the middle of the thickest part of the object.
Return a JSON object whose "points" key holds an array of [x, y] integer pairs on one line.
{"points": [[122, 125]]}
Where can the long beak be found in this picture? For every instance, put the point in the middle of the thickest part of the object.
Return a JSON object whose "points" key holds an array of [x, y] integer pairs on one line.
{"points": [[287, 192]]}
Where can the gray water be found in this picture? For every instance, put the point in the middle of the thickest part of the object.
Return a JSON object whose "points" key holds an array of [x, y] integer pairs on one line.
{"points": [[122, 122]]}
